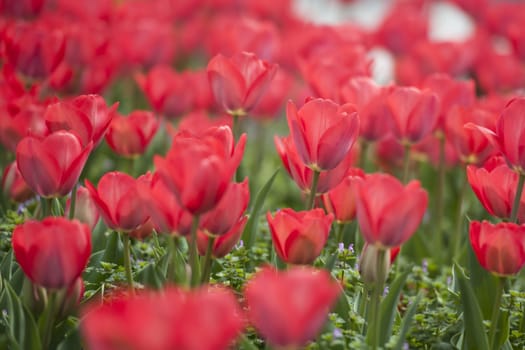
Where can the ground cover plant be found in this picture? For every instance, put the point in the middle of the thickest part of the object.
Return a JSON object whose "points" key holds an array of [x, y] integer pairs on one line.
{"points": [[229, 175]]}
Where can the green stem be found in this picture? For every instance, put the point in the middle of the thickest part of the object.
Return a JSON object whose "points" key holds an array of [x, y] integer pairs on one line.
{"points": [[374, 325], [517, 198], [127, 262], [47, 320], [45, 203], [170, 274], [458, 234], [193, 254], [56, 207], [339, 230], [495, 312], [313, 190], [208, 261], [406, 162], [73, 202], [235, 126]]}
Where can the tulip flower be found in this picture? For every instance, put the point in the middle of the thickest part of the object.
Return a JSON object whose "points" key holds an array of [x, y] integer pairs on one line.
{"points": [[117, 199], [51, 166], [145, 322], [388, 212], [495, 186], [323, 132], [509, 135], [228, 211], [14, 186], [299, 237], [87, 116], [222, 244], [129, 136], [167, 215], [33, 48], [86, 210], [14, 126], [289, 308], [340, 200], [239, 82], [500, 248], [415, 113], [198, 170], [302, 175], [54, 252]]}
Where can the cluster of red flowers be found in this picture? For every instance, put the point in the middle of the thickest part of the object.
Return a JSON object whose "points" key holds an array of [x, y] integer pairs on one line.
{"points": [[59, 58]]}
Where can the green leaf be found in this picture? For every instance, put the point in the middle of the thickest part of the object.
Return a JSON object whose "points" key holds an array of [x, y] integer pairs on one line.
{"points": [[407, 321], [483, 284], [23, 331], [114, 252], [330, 261], [249, 233], [6, 266], [151, 276], [502, 334], [389, 307], [474, 332]]}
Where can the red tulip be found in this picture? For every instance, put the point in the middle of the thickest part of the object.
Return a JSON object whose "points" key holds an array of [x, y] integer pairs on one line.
{"points": [[415, 113], [341, 199], [299, 237], [34, 48], [168, 94], [228, 211], [509, 136], [495, 186], [117, 198], [54, 252], [302, 175], [129, 136], [14, 186], [86, 115], [375, 118], [21, 123], [86, 210], [500, 248], [323, 132], [239, 82], [472, 147], [224, 243], [198, 170], [146, 322], [388, 212], [52, 166], [288, 308], [163, 208]]}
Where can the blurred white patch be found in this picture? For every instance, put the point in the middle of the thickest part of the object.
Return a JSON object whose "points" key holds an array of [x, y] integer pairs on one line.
{"points": [[366, 13], [449, 23], [382, 66]]}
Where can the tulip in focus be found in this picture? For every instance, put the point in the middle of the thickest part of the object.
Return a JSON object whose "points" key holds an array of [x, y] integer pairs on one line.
{"points": [[117, 199], [130, 136], [167, 215], [509, 135], [51, 166], [239, 82], [341, 199], [54, 252], [299, 237], [173, 319], [302, 175], [500, 248], [198, 169], [387, 211], [323, 132], [495, 187], [288, 308]]}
